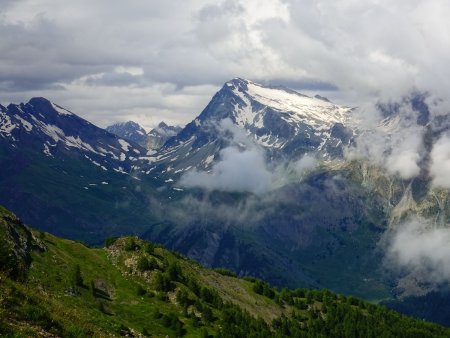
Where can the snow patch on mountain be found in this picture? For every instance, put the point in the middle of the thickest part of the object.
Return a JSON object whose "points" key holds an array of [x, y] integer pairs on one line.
{"points": [[6, 125], [125, 145], [306, 109], [27, 125], [61, 110]]}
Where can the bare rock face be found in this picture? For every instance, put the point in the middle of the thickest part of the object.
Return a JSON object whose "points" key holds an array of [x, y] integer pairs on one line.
{"points": [[17, 242]]}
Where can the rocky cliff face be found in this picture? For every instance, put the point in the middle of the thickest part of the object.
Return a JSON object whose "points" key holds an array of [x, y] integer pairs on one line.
{"points": [[16, 246]]}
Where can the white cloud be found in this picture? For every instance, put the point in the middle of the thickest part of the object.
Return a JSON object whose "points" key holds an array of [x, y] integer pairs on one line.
{"points": [[396, 146], [422, 248], [405, 155], [307, 162], [240, 171], [243, 167], [440, 162]]}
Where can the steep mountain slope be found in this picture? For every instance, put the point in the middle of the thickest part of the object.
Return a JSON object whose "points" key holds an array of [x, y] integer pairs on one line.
{"points": [[67, 175], [130, 131], [286, 123], [42, 126], [308, 219], [132, 288]]}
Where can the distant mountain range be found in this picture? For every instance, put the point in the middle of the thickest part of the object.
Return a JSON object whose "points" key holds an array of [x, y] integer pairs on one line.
{"points": [[259, 183], [153, 140]]}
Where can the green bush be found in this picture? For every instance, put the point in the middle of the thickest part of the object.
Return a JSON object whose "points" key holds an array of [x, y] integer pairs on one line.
{"points": [[143, 264], [171, 321], [163, 283], [130, 244], [145, 332], [149, 248], [225, 272], [77, 278], [174, 272], [110, 241], [140, 291]]}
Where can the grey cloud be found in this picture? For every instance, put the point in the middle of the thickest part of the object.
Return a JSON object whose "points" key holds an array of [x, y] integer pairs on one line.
{"points": [[205, 210], [5, 4], [115, 79], [36, 56], [303, 84]]}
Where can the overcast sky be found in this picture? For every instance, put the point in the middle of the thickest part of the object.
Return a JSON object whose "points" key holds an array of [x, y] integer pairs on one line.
{"points": [[149, 60]]}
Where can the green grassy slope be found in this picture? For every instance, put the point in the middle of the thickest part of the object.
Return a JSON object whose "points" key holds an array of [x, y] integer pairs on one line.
{"points": [[132, 288]]}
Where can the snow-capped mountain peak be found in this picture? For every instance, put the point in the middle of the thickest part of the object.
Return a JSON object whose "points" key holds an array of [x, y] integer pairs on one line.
{"points": [[43, 127], [294, 107], [279, 119]]}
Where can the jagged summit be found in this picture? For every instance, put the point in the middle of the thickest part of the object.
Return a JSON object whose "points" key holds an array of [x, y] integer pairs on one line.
{"points": [[158, 136], [245, 84], [127, 123], [152, 140], [162, 124]]}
